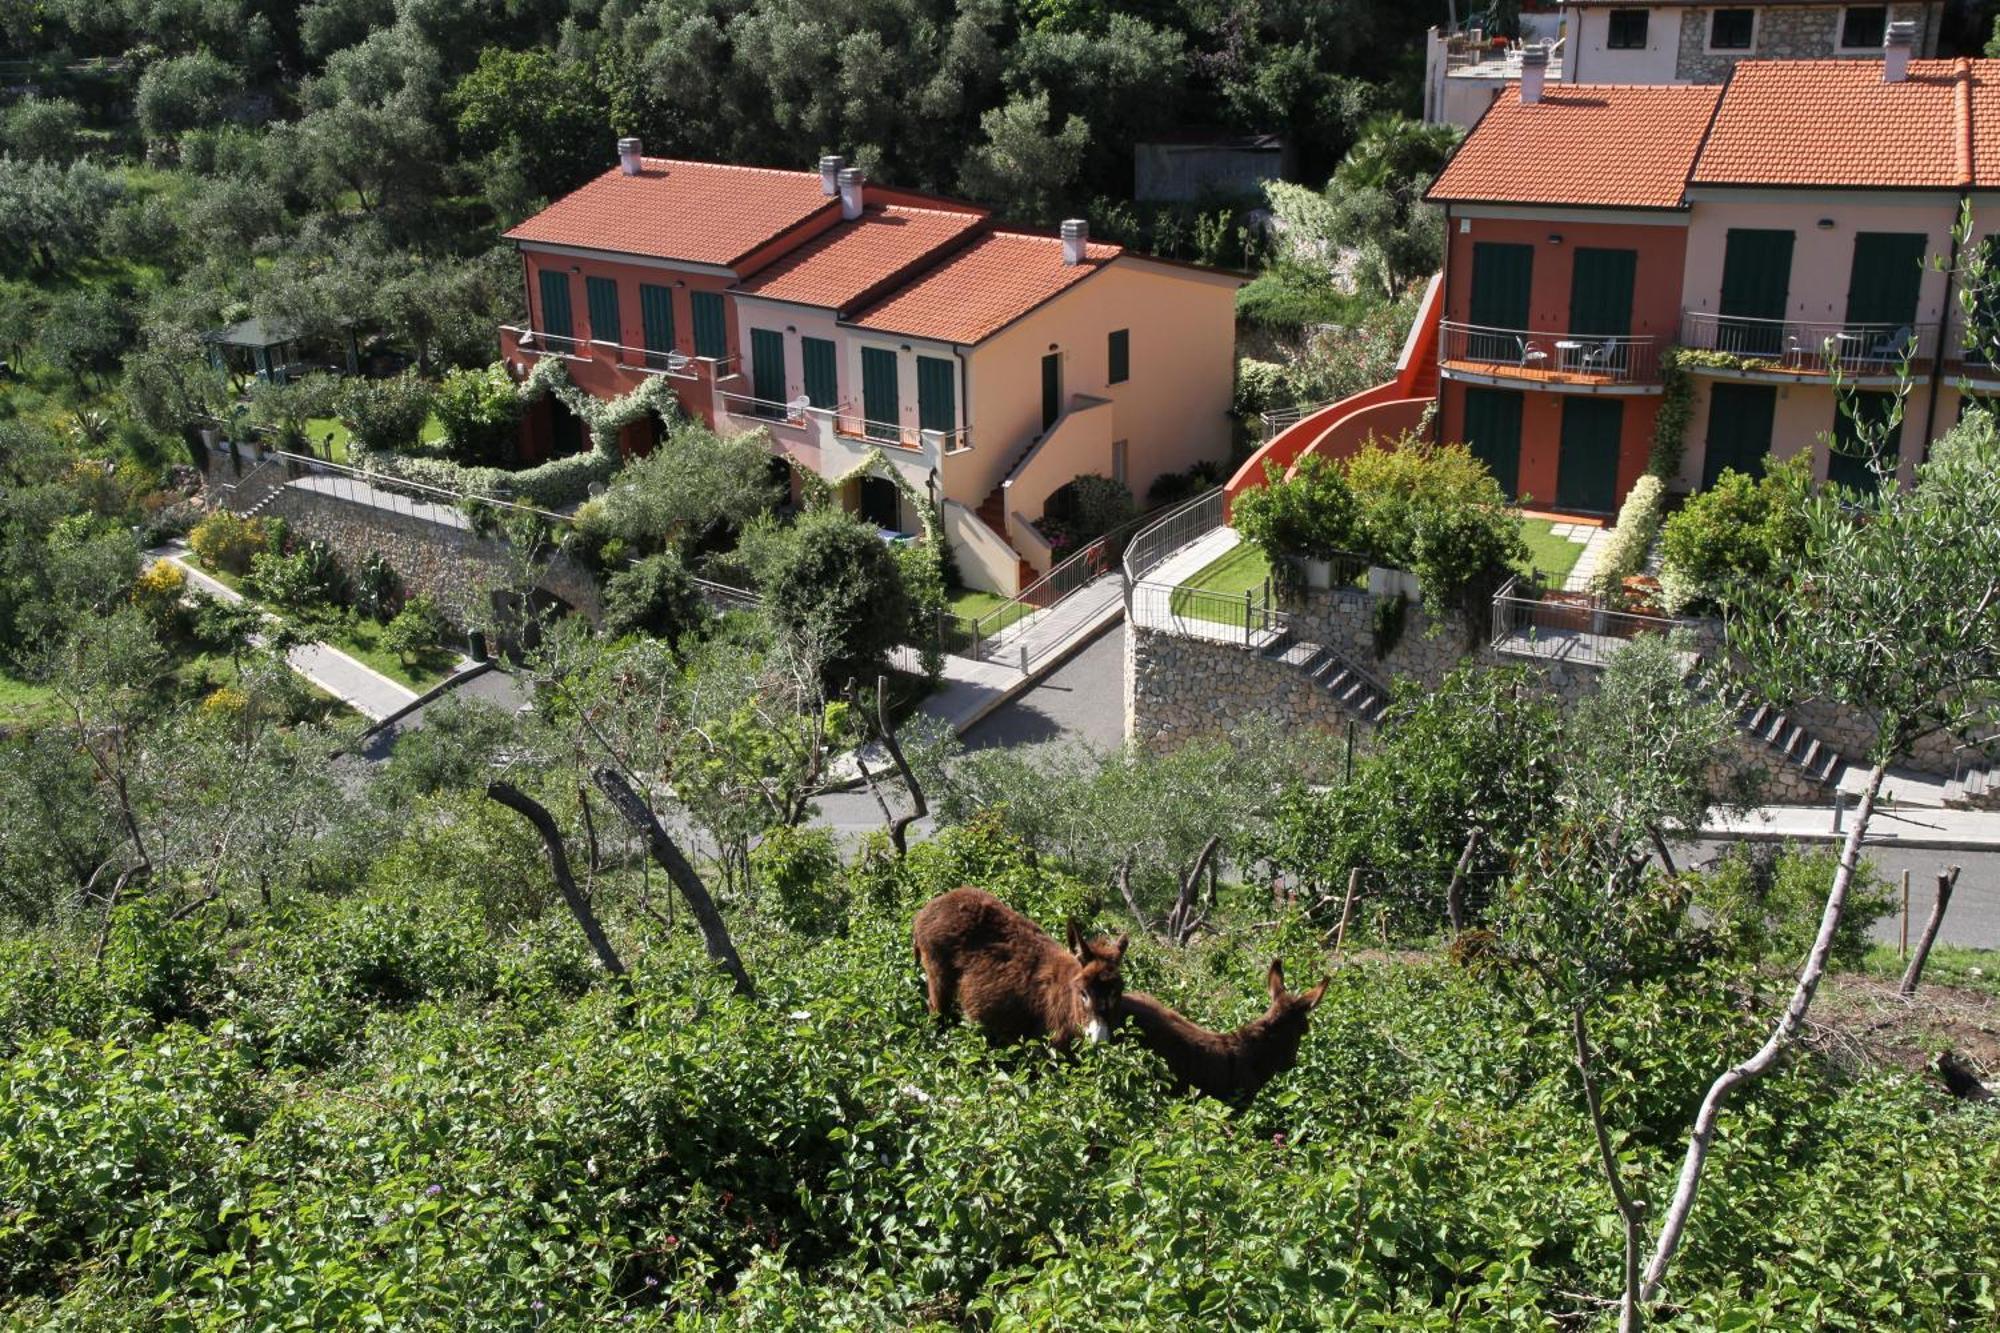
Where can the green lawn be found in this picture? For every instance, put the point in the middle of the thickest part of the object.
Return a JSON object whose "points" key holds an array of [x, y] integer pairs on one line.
{"points": [[319, 428], [1549, 555], [1243, 568], [23, 701], [973, 604]]}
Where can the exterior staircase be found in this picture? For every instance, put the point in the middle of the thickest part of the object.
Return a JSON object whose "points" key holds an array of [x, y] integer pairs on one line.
{"points": [[1820, 763], [1348, 685]]}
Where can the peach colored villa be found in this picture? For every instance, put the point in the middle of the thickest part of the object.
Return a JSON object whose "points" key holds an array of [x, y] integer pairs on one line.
{"points": [[1756, 233], [989, 366]]}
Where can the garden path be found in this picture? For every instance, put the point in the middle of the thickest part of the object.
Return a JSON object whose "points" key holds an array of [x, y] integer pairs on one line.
{"points": [[359, 686]]}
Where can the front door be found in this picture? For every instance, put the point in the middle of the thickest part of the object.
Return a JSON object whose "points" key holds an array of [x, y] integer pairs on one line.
{"points": [[1493, 433], [880, 405], [1587, 468], [1502, 273], [1051, 389], [881, 502], [1739, 430], [1756, 283], [1882, 289]]}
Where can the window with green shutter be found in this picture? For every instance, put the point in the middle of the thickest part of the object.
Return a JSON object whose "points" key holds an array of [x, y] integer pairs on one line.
{"points": [[656, 315], [1756, 285], [881, 409], [1121, 356], [711, 327], [1502, 275], [1885, 279], [556, 320], [600, 295], [937, 394], [822, 376], [767, 371]]}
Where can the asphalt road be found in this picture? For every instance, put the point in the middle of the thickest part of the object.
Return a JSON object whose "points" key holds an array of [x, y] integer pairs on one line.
{"points": [[1972, 919]]}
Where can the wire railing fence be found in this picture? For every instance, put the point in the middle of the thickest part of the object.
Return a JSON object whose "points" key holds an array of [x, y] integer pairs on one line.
{"points": [[1247, 619], [1575, 628], [1153, 544]]}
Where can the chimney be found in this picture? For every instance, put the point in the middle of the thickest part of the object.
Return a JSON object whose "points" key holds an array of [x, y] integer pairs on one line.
{"points": [[829, 174], [1075, 235], [1534, 68], [851, 181], [628, 156], [1897, 40]]}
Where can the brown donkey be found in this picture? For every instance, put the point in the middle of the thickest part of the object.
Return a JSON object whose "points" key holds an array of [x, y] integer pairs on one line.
{"points": [[1009, 977], [1229, 1066]]}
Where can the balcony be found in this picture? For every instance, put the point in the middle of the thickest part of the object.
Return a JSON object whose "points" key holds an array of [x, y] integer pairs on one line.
{"points": [[1790, 350], [1546, 359]]}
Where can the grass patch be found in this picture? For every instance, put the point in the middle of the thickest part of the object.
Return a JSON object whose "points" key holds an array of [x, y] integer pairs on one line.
{"points": [[1948, 964], [1215, 594], [24, 703], [362, 640], [1549, 556], [326, 433]]}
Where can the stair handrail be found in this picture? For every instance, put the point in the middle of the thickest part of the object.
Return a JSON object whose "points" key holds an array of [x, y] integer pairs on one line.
{"points": [[1146, 551]]}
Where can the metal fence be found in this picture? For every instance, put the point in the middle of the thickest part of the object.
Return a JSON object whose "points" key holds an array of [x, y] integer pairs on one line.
{"points": [[1810, 346], [1152, 545], [1615, 359], [1198, 613], [1567, 627], [379, 490]]}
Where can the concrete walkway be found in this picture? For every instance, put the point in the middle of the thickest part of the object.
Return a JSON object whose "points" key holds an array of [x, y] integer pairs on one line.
{"points": [[1967, 830], [356, 684]]}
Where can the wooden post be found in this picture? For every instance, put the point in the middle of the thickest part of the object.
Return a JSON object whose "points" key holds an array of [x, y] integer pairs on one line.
{"points": [[1903, 948], [1946, 881], [1347, 909]]}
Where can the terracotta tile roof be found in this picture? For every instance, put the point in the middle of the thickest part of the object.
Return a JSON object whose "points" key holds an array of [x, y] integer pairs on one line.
{"points": [[696, 212], [1836, 122], [1591, 145], [853, 259], [982, 288]]}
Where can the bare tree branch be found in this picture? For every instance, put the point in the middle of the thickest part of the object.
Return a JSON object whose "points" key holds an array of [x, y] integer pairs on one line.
{"points": [[532, 810], [1946, 882]]}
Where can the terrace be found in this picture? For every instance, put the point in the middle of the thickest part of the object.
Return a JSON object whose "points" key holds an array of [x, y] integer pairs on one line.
{"points": [[1561, 361], [1792, 350]]}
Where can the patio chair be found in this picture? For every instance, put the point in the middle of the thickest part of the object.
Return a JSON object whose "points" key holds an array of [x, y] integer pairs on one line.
{"points": [[1891, 348], [1602, 358], [1532, 356]]}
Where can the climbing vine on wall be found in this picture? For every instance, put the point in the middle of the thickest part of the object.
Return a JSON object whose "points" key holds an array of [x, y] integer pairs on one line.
{"points": [[1676, 409], [819, 491]]}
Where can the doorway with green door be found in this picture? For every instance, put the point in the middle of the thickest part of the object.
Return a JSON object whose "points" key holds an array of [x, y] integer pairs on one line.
{"points": [[1587, 461], [1493, 433], [1739, 430]]}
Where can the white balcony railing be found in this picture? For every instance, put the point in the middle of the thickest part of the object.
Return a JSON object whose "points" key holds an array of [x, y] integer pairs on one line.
{"points": [[1809, 347], [1542, 354]]}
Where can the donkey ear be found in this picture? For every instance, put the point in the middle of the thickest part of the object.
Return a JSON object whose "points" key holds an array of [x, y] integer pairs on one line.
{"points": [[1276, 979], [1118, 945], [1075, 938], [1317, 993]]}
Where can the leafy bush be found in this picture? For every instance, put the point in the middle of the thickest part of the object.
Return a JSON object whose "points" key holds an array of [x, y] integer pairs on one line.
{"points": [[225, 542], [376, 588], [480, 411], [696, 484], [1083, 510], [1740, 529], [1624, 554], [653, 596], [1437, 511], [386, 414], [307, 577], [1312, 513], [1171, 488], [158, 591], [837, 585], [1290, 296], [1764, 901], [416, 630], [801, 869]]}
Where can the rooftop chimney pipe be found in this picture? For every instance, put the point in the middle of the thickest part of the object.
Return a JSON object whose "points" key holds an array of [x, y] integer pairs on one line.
{"points": [[1534, 68], [851, 181], [1897, 40], [829, 174], [628, 156], [1075, 236]]}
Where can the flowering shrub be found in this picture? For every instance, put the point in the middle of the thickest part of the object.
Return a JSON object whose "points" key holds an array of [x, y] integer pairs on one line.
{"points": [[1624, 553], [228, 543]]}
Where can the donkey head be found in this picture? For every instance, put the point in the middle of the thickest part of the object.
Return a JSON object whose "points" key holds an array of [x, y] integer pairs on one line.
{"points": [[1285, 1020], [1099, 987]]}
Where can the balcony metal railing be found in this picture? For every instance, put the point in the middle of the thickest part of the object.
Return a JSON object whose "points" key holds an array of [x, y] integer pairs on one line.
{"points": [[532, 342], [1568, 628], [1542, 354], [747, 405], [1809, 347], [895, 435]]}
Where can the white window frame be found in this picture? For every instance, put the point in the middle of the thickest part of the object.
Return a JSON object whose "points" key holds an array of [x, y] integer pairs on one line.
{"points": [[1840, 32], [1756, 30]]}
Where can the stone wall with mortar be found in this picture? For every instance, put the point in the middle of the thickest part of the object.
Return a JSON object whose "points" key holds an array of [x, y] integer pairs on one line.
{"points": [[1786, 32], [455, 567]]}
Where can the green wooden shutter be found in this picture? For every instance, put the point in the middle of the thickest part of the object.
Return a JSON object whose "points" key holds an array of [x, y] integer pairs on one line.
{"points": [[1587, 465], [1493, 433], [555, 304], [600, 295], [879, 404], [767, 370], [1051, 389], [1600, 292], [1502, 277], [937, 393], [1756, 284], [1739, 430], [822, 377], [1121, 356], [1846, 462], [1883, 282], [711, 327], [656, 314]]}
